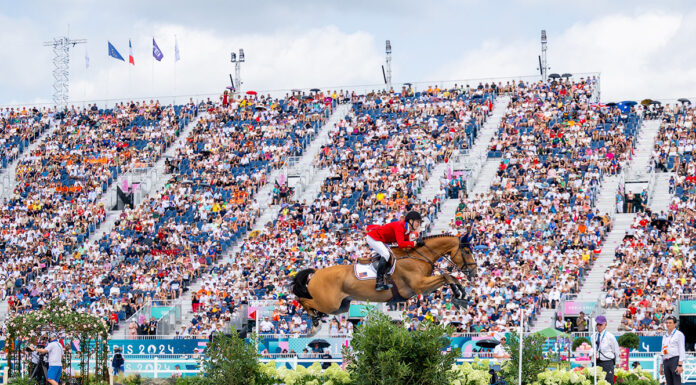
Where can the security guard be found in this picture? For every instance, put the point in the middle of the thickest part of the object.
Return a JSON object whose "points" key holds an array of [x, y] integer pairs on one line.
{"points": [[673, 353], [606, 347]]}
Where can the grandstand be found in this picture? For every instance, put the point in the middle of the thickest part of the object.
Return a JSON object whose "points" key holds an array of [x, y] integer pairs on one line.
{"points": [[179, 221]]}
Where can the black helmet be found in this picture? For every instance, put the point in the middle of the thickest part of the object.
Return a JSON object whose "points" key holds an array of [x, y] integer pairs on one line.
{"points": [[413, 216]]}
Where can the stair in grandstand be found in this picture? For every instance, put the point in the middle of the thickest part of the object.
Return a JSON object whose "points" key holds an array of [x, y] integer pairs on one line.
{"points": [[606, 201], [481, 169], [661, 197], [592, 285], [312, 190], [301, 169], [485, 179], [640, 164], [308, 176], [8, 176], [433, 184], [545, 319], [614, 317]]}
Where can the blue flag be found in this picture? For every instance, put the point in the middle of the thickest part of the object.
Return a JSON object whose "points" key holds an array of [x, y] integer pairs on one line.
{"points": [[156, 52], [113, 53]]}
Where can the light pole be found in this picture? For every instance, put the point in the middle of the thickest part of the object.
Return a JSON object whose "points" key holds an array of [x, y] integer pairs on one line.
{"points": [[237, 60], [388, 75], [543, 67]]}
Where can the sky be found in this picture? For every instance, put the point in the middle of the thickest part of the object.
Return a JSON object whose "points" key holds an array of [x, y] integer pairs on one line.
{"points": [[643, 49]]}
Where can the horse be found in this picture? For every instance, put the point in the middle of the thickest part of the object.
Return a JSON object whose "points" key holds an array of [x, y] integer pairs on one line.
{"points": [[330, 290]]}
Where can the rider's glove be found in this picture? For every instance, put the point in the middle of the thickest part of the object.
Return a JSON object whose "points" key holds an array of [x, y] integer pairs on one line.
{"points": [[420, 242]]}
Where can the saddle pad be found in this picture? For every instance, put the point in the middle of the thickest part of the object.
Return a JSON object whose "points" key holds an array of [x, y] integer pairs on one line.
{"points": [[365, 272]]}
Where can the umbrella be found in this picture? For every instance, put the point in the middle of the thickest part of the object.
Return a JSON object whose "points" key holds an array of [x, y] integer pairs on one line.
{"points": [[566, 75], [322, 343], [315, 90], [554, 76], [295, 90], [646, 102], [230, 88], [629, 103], [251, 92], [612, 104], [488, 343], [408, 84], [552, 333], [684, 100], [261, 108], [655, 102]]}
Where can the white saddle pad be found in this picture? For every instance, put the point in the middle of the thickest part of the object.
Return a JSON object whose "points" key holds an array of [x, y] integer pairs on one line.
{"points": [[365, 272]]}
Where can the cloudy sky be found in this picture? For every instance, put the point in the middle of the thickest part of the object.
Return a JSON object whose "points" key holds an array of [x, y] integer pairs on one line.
{"points": [[642, 48]]}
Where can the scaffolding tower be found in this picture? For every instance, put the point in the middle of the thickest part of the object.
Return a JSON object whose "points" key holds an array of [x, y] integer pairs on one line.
{"points": [[61, 67]]}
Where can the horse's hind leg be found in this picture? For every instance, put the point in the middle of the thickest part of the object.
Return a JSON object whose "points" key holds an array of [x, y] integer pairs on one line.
{"points": [[345, 306]]}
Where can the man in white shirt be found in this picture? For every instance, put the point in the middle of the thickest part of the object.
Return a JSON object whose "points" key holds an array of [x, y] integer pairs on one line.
{"points": [[606, 348], [266, 326], [499, 352], [673, 352], [55, 360]]}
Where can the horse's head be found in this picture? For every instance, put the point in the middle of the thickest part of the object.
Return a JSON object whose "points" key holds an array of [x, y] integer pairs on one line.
{"points": [[465, 259], [458, 250]]}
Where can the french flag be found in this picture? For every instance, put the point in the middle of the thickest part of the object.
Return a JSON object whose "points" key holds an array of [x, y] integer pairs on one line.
{"points": [[130, 53]]}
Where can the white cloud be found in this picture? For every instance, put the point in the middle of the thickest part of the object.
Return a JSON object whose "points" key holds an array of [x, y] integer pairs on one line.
{"points": [[311, 58], [643, 55]]}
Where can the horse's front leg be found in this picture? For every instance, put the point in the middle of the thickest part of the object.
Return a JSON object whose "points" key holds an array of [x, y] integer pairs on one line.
{"points": [[429, 284]]}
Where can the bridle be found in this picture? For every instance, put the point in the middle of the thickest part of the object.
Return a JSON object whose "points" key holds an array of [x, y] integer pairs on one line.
{"points": [[470, 267]]}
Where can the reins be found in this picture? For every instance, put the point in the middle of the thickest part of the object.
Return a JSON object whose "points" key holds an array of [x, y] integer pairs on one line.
{"points": [[423, 258]]}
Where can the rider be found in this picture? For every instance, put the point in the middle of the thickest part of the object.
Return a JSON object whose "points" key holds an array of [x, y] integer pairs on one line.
{"points": [[398, 232]]}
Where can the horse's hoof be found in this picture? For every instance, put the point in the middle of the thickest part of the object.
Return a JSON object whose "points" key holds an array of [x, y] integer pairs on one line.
{"points": [[460, 303]]}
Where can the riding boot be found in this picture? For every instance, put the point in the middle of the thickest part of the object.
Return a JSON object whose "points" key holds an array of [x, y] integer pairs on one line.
{"points": [[382, 268]]}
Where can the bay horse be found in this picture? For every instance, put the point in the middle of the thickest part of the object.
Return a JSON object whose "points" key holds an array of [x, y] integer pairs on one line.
{"points": [[330, 290]]}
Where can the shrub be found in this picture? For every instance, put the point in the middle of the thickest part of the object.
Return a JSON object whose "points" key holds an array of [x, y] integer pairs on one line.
{"points": [[193, 380], [629, 340], [384, 353], [533, 361], [471, 374], [231, 360], [634, 377], [578, 376], [22, 381]]}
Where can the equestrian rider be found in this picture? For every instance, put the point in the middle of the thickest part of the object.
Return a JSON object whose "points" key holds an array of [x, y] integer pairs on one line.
{"points": [[399, 232]]}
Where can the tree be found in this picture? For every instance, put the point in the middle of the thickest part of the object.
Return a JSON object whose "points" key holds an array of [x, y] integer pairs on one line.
{"points": [[231, 360], [385, 353], [629, 340], [533, 361]]}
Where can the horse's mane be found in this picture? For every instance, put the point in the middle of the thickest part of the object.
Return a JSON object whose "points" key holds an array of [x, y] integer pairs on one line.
{"points": [[438, 236]]}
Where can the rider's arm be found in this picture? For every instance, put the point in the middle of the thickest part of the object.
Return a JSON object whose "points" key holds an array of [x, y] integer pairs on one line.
{"points": [[402, 242]]}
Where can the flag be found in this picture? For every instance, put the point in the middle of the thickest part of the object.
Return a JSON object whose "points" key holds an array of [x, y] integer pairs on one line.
{"points": [[130, 53], [86, 58], [113, 53], [177, 56], [156, 52]]}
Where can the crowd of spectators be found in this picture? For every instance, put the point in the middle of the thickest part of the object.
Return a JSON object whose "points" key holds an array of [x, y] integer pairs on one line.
{"points": [[55, 205], [536, 232], [19, 128], [379, 157], [654, 264]]}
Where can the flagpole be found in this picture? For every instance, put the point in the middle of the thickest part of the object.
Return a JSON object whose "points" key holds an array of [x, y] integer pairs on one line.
{"points": [[176, 58]]}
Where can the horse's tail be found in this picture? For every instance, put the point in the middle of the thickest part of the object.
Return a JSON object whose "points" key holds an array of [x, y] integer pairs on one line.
{"points": [[299, 283]]}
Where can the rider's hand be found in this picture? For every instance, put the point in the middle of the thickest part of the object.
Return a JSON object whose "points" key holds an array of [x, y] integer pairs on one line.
{"points": [[420, 242]]}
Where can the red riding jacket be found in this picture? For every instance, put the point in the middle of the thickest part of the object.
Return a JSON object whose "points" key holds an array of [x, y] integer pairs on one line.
{"points": [[394, 232]]}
